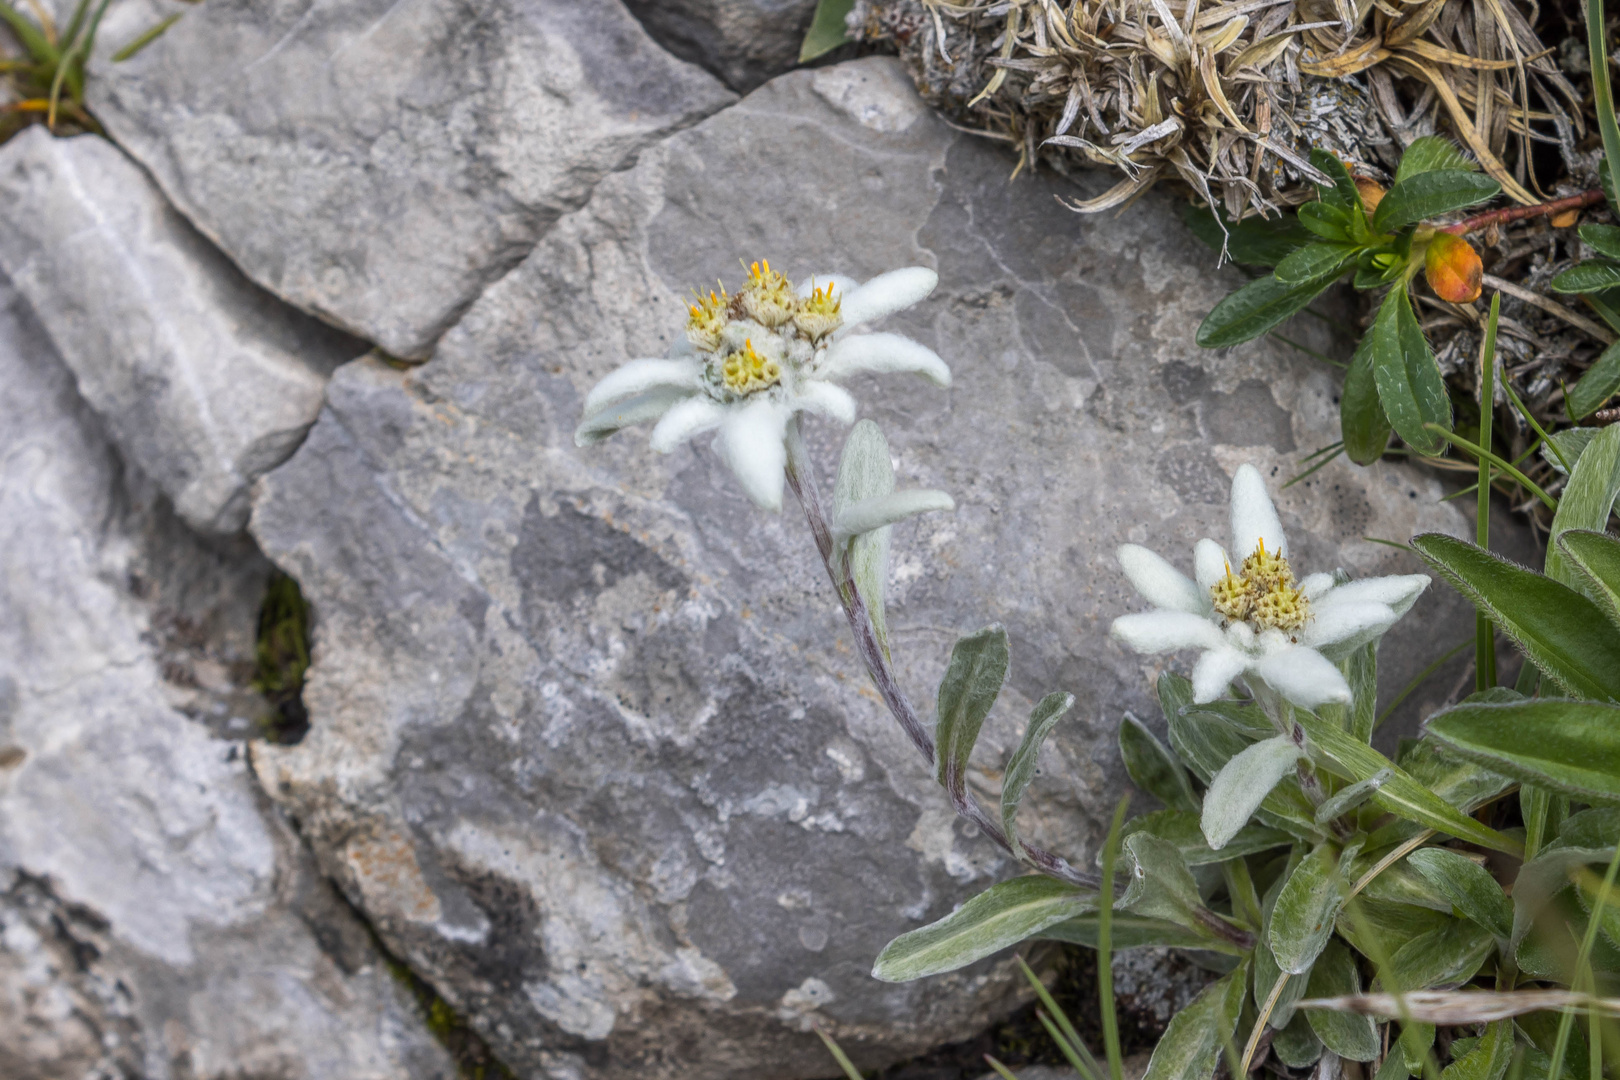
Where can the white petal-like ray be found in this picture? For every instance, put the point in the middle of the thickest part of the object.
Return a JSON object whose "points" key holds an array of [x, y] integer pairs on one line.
{"points": [[1399, 592], [636, 410], [1166, 631], [827, 400], [686, 420], [751, 444], [640, 376], [1254, 518], [1316, 585], [882, 353], [1303, 676], [1159, 583], [1209, 564], [842, 284], [1215, 671], [887, 293], [1356, 623]]}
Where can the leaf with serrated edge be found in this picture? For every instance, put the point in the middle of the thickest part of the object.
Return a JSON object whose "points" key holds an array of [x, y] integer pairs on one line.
{"points": [[1361, 414], [1153, 768], [1256, 308], [1314, 260], [1594, 275], [1191, 1046], [1565, 634], [1430, 154], [1469, 887], [1021, 767], [1430, 194], [1410, 386], [1571, 746], [971, 685], [1002, 915]]}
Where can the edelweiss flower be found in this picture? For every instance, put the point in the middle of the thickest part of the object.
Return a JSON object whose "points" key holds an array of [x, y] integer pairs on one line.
{"points": [[1255, 620], [750, 362]]}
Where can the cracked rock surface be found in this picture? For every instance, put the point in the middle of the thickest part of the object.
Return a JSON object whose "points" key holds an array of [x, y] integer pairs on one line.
{"points": [[744, 42], [202, 379], [589, 746], [158, 917], [378, 162]]}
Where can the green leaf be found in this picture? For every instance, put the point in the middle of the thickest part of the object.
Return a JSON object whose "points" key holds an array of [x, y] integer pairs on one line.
{"points": [[971, 685], [1571, 746], [1586, 503], [1597, 384], [1342, 193], [1350, 1035], [1596, 556], [1021, 767], [1327, 220], [827, 30], [1487, 1059], [1181, 828], [1002, 915], [1191, 1046], [1257, 307], [29, 35], [1400, 794], [1160, 885], [1302, 921], [1206, 740], [1444, 957], [1432, 153], [1153, 768], [1313, 261], [865, 471], [1410, 386], [1469, 887], [1242, 785], [1254, 241], [1604, 239], [1361, 414], [1133, 932], [1430, 194], [1564, 633], [1572, 443], [1361, 672], [1297, 1045], [1593, 275]]}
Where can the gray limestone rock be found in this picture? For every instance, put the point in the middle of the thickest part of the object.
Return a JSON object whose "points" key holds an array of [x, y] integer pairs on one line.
{"points": [[203, 380], [589, 744], [745, 42], [377, 163], [158, 918]]}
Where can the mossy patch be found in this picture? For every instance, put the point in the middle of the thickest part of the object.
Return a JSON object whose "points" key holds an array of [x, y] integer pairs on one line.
{"points": [[473, 1058], [281, 659]]}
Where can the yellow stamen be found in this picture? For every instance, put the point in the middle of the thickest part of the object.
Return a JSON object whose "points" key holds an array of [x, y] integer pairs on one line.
{"points": [[1262, 593], [746, 372]]}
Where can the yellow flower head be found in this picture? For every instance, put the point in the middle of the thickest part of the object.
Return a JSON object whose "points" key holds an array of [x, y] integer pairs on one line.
{"points": [[746, 372], [818, 313], [1262, 593], [706, 320], [766, 297]]}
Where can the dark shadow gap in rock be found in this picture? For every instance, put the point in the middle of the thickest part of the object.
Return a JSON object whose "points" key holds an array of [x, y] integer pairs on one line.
{"points": [[281, 659]]}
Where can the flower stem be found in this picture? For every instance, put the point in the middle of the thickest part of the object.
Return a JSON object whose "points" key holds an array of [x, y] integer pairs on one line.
{"points": [[1519, 213], [801, 478]]}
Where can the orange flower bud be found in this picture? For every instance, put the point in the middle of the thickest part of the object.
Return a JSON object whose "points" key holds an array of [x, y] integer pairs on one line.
{"points": [[1565, 220], [1372, 193], [1453, 268]]}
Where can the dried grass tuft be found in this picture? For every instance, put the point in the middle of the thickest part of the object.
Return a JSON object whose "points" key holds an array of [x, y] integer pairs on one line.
{"points": [[1230, 97]]}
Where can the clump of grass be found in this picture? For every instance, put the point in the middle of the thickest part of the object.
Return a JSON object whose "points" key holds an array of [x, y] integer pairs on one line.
{"points": [[47, 80], [281, 659]]}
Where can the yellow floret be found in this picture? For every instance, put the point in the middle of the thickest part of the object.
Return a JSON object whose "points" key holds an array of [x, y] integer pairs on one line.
{"points": [[1232, 597], [1283, 607], [746, 372], [707, 320], [1264, 569], [819, 314], [766, 297]]}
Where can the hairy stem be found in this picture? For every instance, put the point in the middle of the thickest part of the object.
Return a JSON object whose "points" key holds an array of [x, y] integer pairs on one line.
{"points": [[801, 478], [1519, 213]]}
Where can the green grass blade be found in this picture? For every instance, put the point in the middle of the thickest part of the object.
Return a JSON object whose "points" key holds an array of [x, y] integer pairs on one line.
{"points": [[1105, 946], [850, 1071]]}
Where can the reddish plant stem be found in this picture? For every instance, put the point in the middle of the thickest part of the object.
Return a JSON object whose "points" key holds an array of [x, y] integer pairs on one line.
{"points": [[1519, 213]]}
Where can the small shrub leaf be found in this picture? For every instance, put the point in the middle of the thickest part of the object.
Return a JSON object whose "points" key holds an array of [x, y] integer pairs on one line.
{"points": [[1430, 194], [1002, 915]]}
